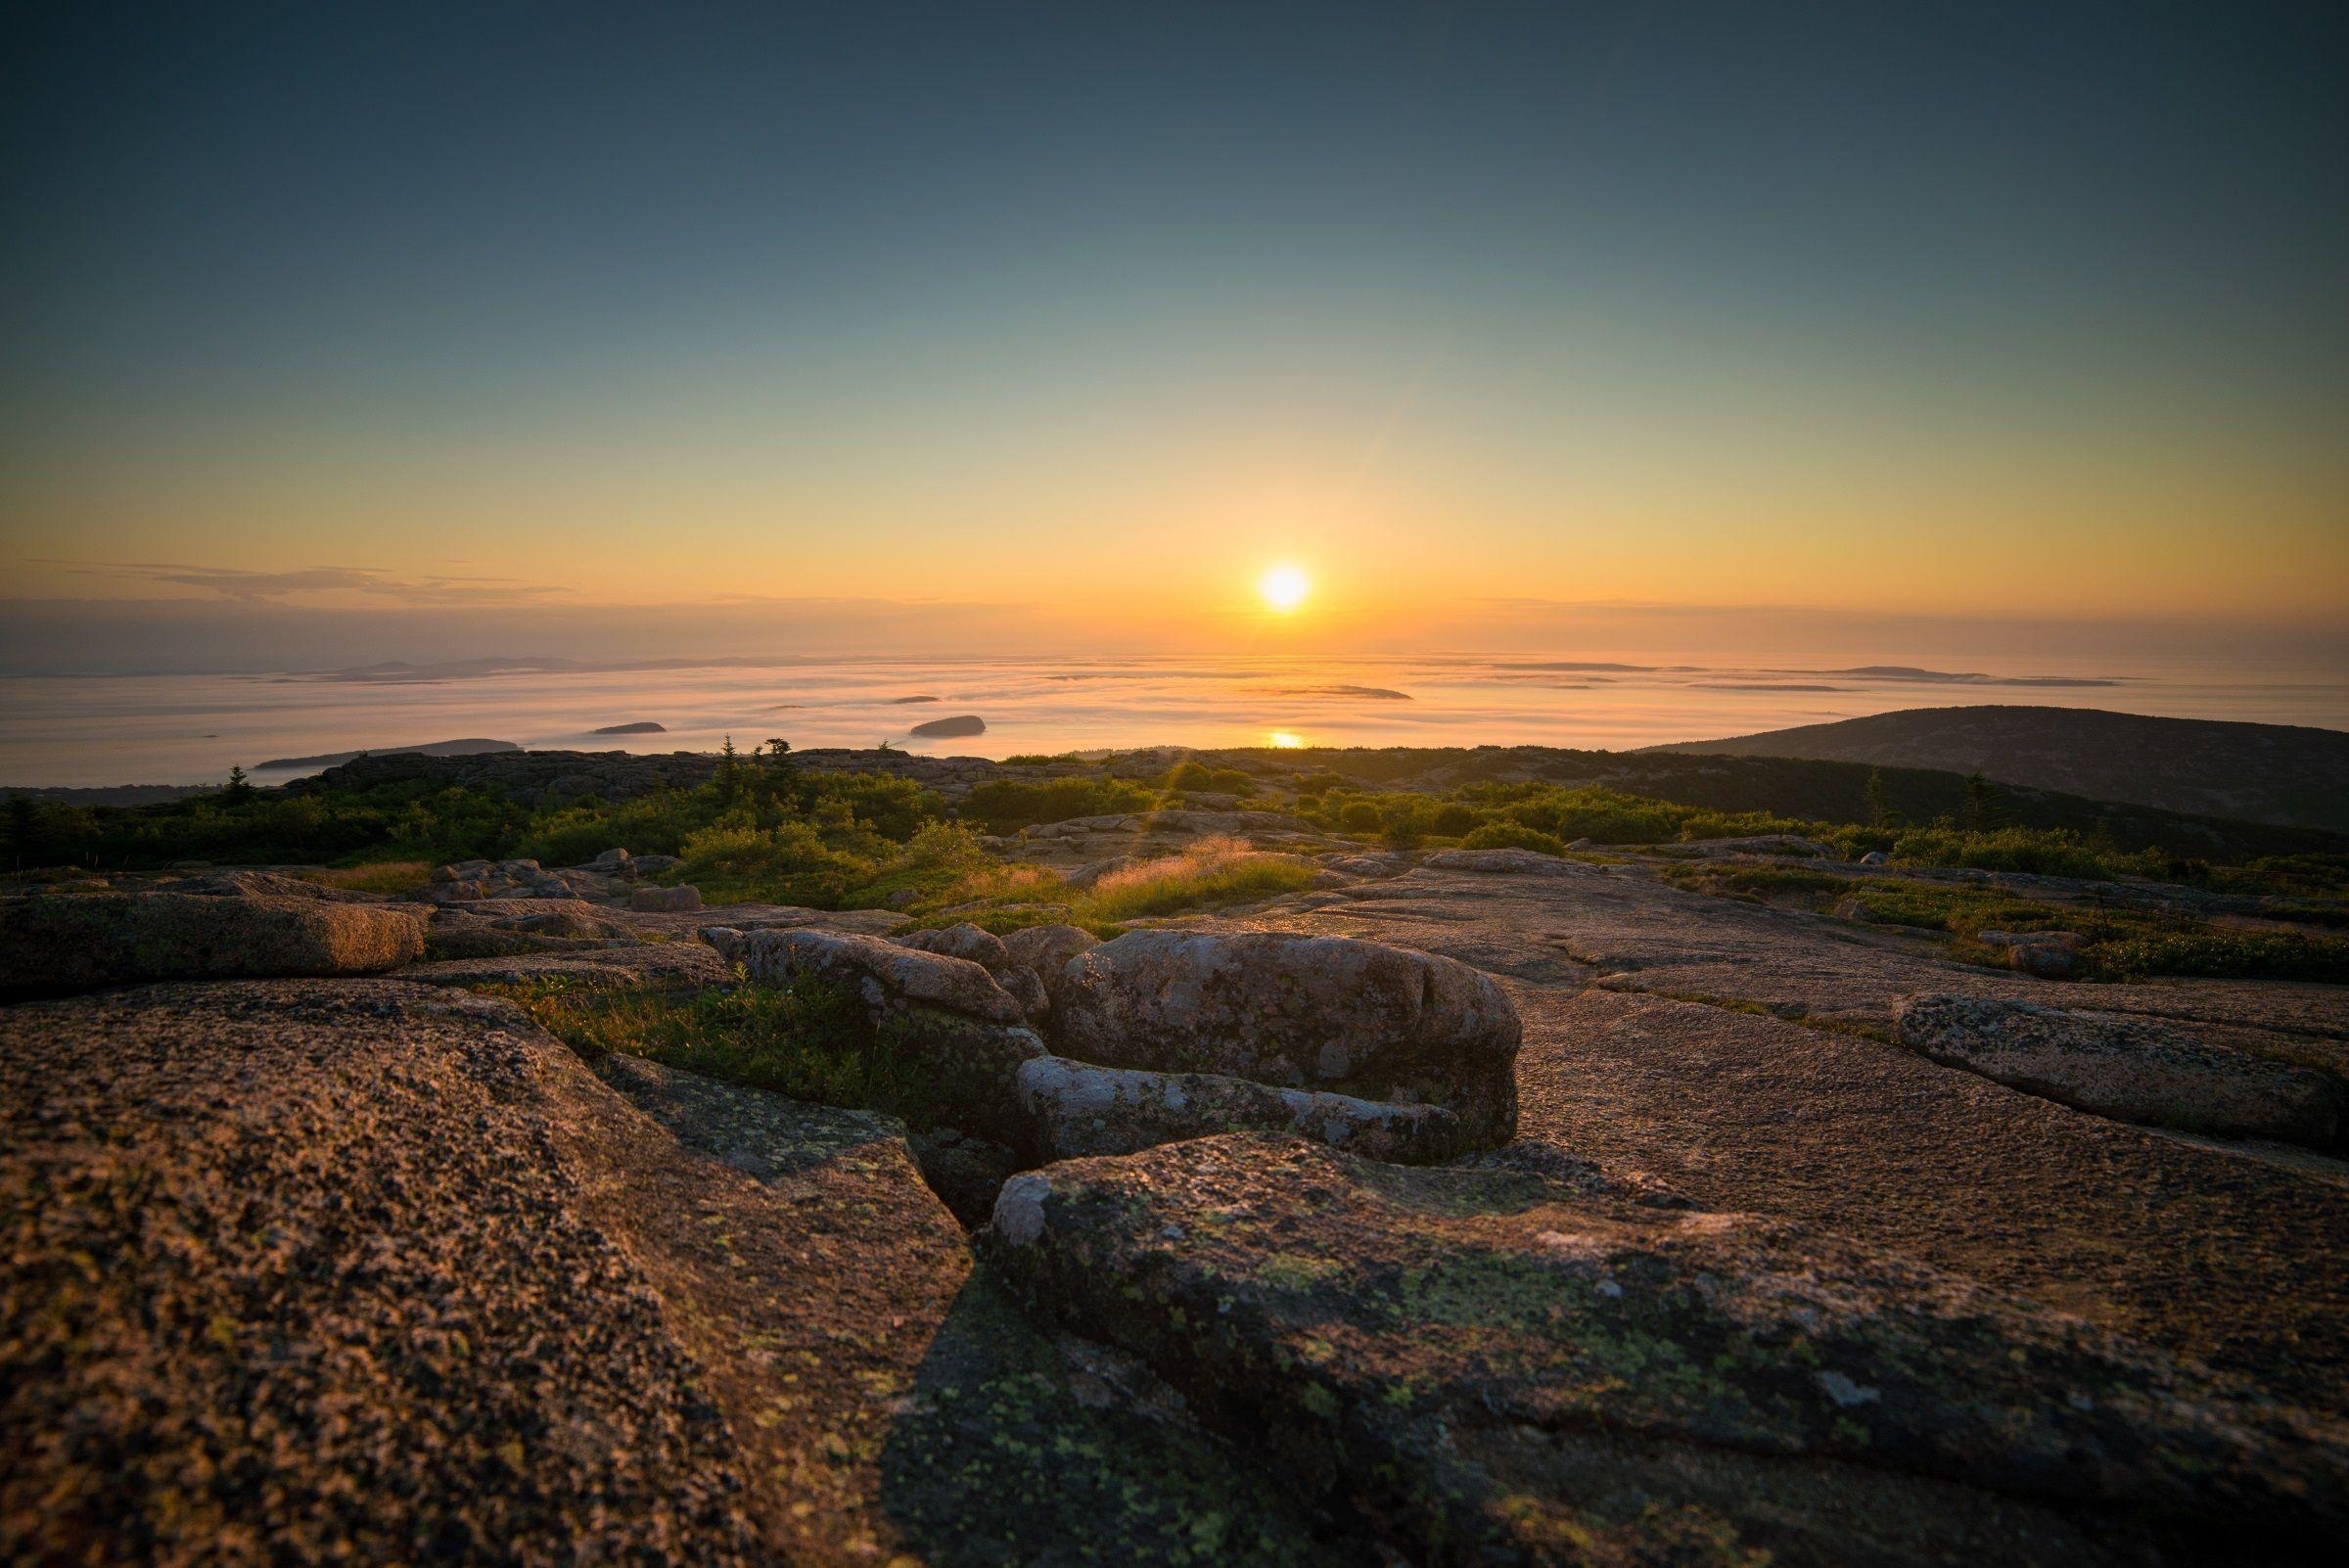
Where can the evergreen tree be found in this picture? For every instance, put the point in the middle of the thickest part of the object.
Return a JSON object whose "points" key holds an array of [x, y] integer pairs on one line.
{"points": [[239, 788], [1879, 802], [728, 779], [1983, 810]]}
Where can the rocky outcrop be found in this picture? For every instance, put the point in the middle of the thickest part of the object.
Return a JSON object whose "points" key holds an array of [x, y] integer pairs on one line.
{"points": [[1310, 1012], [367, 1272], [2134, 1069], [60, 941], [343, 1212], [1528, 1366], [1077, 1109], [665, 901]]}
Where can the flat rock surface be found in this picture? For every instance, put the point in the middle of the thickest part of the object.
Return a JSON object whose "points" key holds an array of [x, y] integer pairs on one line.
{"points": [[2127, 1066], [469, 1302], [2212, 1250], [1452, 1344]]}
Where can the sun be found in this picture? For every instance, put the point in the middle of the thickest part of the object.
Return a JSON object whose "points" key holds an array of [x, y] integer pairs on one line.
{"points": [[1284, 588]]}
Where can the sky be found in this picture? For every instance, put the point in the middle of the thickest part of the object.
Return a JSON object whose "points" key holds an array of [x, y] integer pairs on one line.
{"points": [[399, 329]]}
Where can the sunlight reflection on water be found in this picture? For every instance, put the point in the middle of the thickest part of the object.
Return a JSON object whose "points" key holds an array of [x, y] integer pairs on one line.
{"points": [[190, 728]]}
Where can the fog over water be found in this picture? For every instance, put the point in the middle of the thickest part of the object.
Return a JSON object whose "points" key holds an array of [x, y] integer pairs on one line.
{"points": [[177, 729]]}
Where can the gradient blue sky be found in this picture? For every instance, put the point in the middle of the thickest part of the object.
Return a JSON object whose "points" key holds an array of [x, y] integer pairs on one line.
{"points": [[1099, 309]]}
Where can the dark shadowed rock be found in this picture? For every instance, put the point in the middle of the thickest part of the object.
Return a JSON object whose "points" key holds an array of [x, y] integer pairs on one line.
{"points": [[2136, 1069], [1377, 1021], [71, 942], [1509, 1365], [665, 901], [1080, 1109]]}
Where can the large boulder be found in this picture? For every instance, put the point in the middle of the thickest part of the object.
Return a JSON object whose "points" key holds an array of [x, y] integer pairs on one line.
{"points": [[75, 940], [1307, 1012], [1528, 1362], [1045, 951], [2134, 1069], [1079, 1109]]}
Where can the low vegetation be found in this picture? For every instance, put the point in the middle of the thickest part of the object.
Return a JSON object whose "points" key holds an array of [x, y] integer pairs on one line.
{"points": [[806, 1041], [1213, 871]]}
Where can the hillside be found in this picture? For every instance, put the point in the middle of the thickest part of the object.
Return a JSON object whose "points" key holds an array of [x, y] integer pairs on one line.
{"points": [[2284, 774]]}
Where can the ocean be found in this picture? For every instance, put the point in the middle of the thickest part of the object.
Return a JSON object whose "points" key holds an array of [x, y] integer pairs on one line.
{"points": [[184, 729]]}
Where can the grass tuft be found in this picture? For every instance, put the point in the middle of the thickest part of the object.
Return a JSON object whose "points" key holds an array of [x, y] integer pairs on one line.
{"points": [[385, 876], [1214, 870]]}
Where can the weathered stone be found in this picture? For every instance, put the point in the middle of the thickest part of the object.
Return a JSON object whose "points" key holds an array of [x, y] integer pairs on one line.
{"points": [[347, 1212], [1506, 862], [890, 978], [986, 949], [2136, 1069], [1381, 1023], [1487, 1359], [75, 940], [665, 901], [1079, 1109], [614, 860]]}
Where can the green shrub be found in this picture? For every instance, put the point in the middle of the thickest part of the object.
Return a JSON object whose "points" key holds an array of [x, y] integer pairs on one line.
{"points": [[2222, 954], [789, 863], [2039, 852], [1512, 836], [1005, 805]]}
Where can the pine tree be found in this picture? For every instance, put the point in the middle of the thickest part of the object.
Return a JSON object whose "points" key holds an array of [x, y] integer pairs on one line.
{"points": [[1983, 810], [729, 775], [1880, 803], [239, 788]]}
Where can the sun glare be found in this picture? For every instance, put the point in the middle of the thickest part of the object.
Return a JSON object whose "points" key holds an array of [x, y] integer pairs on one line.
{"points": [[1284, 588]]}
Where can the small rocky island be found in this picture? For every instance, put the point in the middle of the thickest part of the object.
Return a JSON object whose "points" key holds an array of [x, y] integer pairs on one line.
{"points": [[1452, 1203]]}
